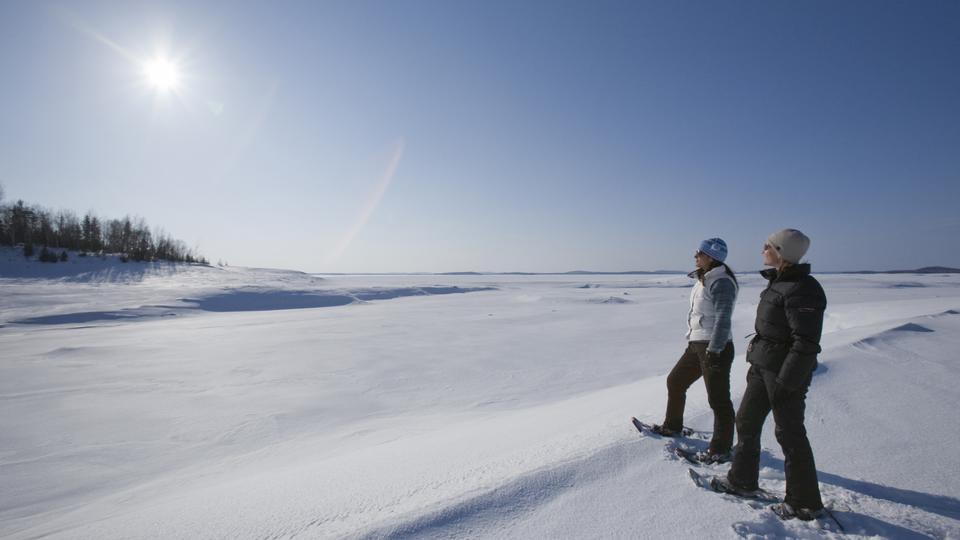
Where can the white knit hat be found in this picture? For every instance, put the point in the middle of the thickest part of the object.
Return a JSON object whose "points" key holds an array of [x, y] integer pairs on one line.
{"points": [[791, 244]]}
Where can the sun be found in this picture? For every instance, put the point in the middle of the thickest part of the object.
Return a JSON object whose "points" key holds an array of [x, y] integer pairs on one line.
{"points": [[162, 74]]}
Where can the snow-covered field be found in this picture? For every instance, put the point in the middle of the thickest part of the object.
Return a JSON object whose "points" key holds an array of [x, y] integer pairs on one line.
{"points": [[165, 401]]}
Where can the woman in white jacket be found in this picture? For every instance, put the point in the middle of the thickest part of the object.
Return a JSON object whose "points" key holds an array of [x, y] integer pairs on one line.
{"points": [[709, 350]]}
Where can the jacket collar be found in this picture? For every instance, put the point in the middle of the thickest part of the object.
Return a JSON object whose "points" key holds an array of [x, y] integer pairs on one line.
{"points": [[792, 273], [711, 274]]}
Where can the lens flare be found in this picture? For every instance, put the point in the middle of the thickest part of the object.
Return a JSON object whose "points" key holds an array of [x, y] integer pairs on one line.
{"points": [[376, 195]]}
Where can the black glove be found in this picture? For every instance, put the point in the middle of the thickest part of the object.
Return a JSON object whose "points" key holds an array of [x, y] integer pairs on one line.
{"points": [[714, 362]]}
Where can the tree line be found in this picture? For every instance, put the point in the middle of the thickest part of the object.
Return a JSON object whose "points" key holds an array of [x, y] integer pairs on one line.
{"points": [[132, 239]]}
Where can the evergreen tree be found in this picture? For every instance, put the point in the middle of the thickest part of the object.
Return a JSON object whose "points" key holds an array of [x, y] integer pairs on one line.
{"points": [[47, 256], [62, 230]]}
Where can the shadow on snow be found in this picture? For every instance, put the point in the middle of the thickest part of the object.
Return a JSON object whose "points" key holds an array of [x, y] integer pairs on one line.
{"points": [[942, 505], [247, 300]]}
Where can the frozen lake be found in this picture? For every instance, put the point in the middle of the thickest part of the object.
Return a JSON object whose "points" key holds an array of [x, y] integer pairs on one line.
{"points": [[193, 402]]}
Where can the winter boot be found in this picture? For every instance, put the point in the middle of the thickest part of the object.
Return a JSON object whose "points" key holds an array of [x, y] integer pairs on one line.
{"points": [[784, 511], [664, 431], [724, 485]]}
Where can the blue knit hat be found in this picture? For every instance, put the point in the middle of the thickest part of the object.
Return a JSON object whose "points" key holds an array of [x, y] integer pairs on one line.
{"points": [[716, 248]]}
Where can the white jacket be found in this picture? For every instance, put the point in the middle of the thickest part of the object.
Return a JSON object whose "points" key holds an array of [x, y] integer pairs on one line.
{"points": [[703, 316]]}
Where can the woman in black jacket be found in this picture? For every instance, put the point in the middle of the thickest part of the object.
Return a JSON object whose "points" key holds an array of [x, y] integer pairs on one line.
{"points": [[782, 357]]}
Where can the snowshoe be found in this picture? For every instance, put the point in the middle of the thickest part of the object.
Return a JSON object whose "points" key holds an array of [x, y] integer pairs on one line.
{"points": [[705, 457]]}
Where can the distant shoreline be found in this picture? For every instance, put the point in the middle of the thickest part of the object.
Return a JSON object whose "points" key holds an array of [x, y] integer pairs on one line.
{"points": [[924, 270], [12, 257]]}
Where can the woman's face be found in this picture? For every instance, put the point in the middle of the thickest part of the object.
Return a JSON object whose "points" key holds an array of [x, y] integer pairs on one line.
{"points": [[703, 260], [771, 257]]}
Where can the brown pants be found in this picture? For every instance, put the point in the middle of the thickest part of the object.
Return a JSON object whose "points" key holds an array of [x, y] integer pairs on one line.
{"points": [[691, 366]]}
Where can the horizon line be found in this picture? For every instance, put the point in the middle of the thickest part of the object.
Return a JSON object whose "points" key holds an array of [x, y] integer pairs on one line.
{"points": [[921, 270]]}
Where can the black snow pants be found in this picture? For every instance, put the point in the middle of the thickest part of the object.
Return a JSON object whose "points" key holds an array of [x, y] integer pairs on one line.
{"points": [[803, 491], [691, 366]]}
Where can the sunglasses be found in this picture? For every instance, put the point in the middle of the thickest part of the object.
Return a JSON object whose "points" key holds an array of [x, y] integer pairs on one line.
{"points": [[768, 247]]}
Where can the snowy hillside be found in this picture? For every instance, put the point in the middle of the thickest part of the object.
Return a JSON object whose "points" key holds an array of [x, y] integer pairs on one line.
{"points": [[172, 401]]}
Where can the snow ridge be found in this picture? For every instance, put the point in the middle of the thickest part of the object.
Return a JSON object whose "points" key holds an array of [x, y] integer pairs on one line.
{"points": [[489, 511]]}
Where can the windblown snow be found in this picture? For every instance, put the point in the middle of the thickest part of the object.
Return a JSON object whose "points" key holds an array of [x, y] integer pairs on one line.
{"points": [[177, 401]]}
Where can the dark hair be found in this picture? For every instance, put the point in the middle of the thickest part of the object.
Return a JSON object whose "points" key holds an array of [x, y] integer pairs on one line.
{"points": [[731, 274], [701, 272]]}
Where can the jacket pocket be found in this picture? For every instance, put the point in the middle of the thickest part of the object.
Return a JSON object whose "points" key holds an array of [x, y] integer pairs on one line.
{"points": [[766, 353], [707, 322]]}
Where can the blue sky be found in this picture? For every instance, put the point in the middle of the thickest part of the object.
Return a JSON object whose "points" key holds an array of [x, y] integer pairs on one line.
{"points": [[499, 136]]}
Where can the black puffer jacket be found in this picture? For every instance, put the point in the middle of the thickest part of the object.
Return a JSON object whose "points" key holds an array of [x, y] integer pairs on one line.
{"points": [[789, 324]]}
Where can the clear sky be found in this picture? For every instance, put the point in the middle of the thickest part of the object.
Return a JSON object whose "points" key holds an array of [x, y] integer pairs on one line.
{"points": [[449, 135]]}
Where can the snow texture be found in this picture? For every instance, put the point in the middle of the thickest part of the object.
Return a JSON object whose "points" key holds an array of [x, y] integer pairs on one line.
{"points": [[176, 401]]}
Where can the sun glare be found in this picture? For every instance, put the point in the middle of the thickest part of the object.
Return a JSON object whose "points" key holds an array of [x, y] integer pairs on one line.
{"points": [[162, 74]]}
